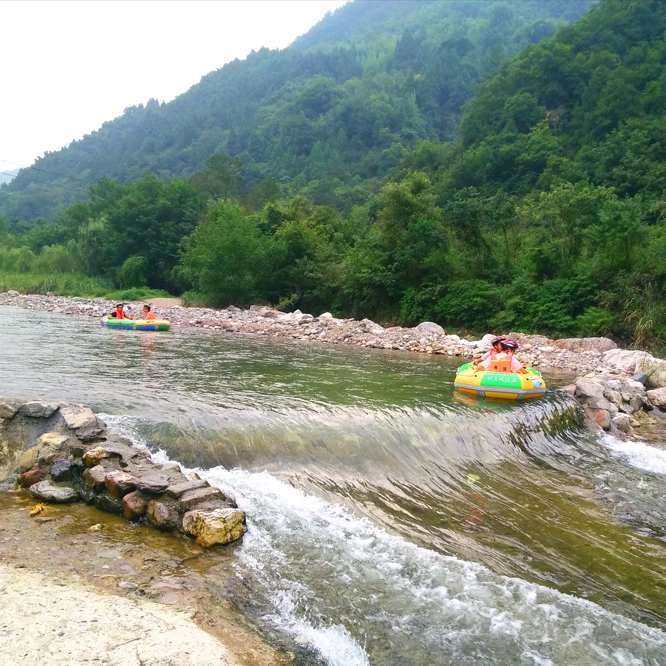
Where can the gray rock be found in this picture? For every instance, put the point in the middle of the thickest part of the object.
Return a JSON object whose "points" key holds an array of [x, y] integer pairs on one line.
{"points": [[430, 327], [13, 292], [153, 483], [626, 360], [585, 344], [164, 515], [94, 477], [61, 470], [48, 491], [179, 489], [657, 397], [78, 416], [193, 497], [640, 377], [623, 423], [125, 585], [615, 397], [105, 502], [8, 409], [586, 390], [28, 459], [38, 410]]}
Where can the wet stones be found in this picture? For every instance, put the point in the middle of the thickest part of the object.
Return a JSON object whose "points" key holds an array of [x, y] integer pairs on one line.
{"points": [[177, 490], [154, 483], [164, 514], [38, 410], [61, 470], [134, 506], [48, 491], [28, 459], [95, 477], [107, 503], [191, 498], [93, 457], [31, 477], [119, 483], [220, 526]]}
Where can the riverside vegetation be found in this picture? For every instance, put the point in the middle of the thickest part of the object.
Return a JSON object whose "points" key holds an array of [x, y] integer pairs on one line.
{"points": [[544, 215]]}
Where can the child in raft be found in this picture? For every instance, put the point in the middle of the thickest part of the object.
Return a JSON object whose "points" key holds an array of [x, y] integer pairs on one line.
{"points": [[507, 349], [148, 313]]}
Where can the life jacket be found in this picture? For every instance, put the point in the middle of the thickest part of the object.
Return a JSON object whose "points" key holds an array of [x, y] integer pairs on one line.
{"points": [[500, 364], [118, 314], [149, 315]]}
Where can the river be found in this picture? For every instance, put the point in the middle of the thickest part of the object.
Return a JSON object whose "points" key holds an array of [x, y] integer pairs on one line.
{"points": [[391, 522]]}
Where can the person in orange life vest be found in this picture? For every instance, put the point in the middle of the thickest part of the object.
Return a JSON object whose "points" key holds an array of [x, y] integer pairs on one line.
{"points": [[509, 347], [148, 313], [119, 313], [495, 349]]}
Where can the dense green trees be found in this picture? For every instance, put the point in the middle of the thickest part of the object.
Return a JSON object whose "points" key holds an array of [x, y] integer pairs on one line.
{"points": [[546, 215], [328, 117]]}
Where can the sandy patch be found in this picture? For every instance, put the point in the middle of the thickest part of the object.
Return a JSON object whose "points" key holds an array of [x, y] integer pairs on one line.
{"points": [[56, 625], [164, 302]]}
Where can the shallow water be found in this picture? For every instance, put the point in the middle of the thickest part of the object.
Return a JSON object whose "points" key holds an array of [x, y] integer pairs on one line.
{"points": [[391, 521]]}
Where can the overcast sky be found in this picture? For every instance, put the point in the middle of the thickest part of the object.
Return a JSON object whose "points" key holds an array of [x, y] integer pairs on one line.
{"points": [[67, 67]]}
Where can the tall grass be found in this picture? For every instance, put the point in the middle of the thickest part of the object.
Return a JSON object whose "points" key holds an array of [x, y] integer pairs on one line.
{"points": [[61, 284]]}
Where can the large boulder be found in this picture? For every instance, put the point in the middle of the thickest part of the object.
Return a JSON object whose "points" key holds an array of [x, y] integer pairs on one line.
{"points": [[655, 369], [38, 410], [8, 409], [430, 328], [219, 526], [657, 397], [153, 483], [82, 421], [48, 491], [626, 360], [585, 344]]}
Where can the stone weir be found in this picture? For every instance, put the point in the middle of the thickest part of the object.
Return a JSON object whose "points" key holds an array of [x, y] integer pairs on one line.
{"points": [[64, 453]]}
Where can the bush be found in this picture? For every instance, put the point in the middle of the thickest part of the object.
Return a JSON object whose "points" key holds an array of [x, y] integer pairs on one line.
{"points": [[597, 321], [136, 294], [133, 272]]}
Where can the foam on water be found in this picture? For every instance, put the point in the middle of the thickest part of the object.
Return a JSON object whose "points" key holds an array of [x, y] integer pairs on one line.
{"points": [[360, 595], [637, 454]]}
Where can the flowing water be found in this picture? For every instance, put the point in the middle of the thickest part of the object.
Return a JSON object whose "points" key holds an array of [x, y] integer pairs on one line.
{"points": [[391, 522]]}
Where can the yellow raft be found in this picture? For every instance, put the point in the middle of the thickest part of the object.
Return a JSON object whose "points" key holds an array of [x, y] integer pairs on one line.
{"points": [[484, 383]]}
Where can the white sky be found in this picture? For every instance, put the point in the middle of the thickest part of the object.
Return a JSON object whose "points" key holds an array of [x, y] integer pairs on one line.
{"points": [[67, 67]]}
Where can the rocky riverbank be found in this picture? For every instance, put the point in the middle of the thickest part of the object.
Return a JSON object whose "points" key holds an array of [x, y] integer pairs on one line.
{"points": [[619, 389], [63, 453]]}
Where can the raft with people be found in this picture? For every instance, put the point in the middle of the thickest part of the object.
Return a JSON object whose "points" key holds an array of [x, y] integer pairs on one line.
{"points": [[119, 319], [499, 375]]}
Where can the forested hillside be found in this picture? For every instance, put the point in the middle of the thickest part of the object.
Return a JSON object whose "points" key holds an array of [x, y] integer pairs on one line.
{"points": [[328, 117], [547, 214]]}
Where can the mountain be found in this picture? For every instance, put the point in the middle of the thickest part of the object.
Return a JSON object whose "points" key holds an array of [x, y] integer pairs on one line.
{"points": [[330, 116], [8, 175]]}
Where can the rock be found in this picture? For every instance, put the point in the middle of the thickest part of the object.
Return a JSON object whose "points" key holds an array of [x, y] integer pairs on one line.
{"points": [[163, 515], [13, 293], [486, 341], [657, 397], [48, 491], [93, 457], [134, 506], [50, 294], [61, 470], [586, 390], [94, 477], [615, 397], [193, 497], [655, 369], [215, 527], [78, 416], [586, 344], [109, 504], [641, 378], [369, 325], [641, 418], [38, 410], [28, 459], [119, 483], [179, 489], [602, 418], [431, 327], [153, 483], [31, 477], [325, 316], [625, 360], [623, 423], [8, 409], [125, 585]]}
